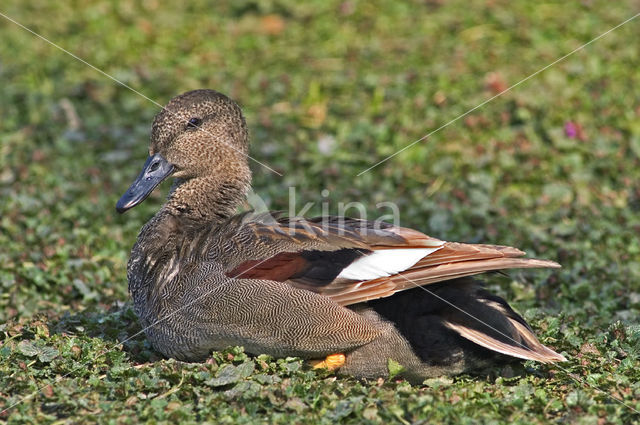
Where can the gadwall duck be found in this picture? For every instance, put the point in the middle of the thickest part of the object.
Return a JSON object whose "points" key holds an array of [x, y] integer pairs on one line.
{"points": [[348, 293]]}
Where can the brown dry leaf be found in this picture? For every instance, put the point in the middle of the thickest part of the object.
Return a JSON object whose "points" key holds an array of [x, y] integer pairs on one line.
{"points": [[587, 347], [494, 81], [145, 26], [439, 98], [272, 24], [48, 391], [316, 114]]}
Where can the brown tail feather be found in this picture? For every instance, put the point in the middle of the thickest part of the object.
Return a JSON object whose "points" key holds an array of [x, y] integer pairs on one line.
{"points": [[454, 252], [425, 275], [533, 350]]}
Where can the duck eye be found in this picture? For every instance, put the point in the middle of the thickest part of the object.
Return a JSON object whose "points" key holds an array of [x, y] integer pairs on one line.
{"points": [[194, 123]]}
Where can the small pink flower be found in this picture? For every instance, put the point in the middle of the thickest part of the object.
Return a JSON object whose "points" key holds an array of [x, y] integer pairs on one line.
{"points": [[571, 129]]}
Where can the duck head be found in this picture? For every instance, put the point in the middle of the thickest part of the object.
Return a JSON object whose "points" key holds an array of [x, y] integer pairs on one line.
{"points": [[201, 139]]}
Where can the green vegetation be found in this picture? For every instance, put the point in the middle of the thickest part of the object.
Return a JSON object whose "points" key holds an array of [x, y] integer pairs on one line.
{"points": [[329, 88]]}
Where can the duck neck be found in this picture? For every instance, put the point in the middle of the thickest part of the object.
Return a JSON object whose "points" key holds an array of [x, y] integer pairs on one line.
{"points": [[207, 199]]}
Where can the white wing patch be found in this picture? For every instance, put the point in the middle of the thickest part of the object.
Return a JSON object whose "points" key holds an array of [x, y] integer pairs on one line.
{"points": [[384, 262]]}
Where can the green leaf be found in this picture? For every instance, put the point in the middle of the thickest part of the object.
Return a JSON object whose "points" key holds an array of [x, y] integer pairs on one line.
{"points": [[227, 374], [243, 389], [47, 354], [394, 368], [246, 369], [28, 348]]}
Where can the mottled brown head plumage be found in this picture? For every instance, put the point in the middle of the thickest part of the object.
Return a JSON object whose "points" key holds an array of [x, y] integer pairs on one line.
{"points": [[201, 139], [201, 132]]}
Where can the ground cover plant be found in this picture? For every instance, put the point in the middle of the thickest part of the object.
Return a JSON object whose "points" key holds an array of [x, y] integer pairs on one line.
{"points": [[329, 89]]}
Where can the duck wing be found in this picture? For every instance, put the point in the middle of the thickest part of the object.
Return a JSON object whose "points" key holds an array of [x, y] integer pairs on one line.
{"points": [[352, 260]]}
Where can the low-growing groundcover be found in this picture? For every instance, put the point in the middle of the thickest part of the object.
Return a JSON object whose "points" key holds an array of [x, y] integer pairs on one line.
{"points": [[329, 88]]}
